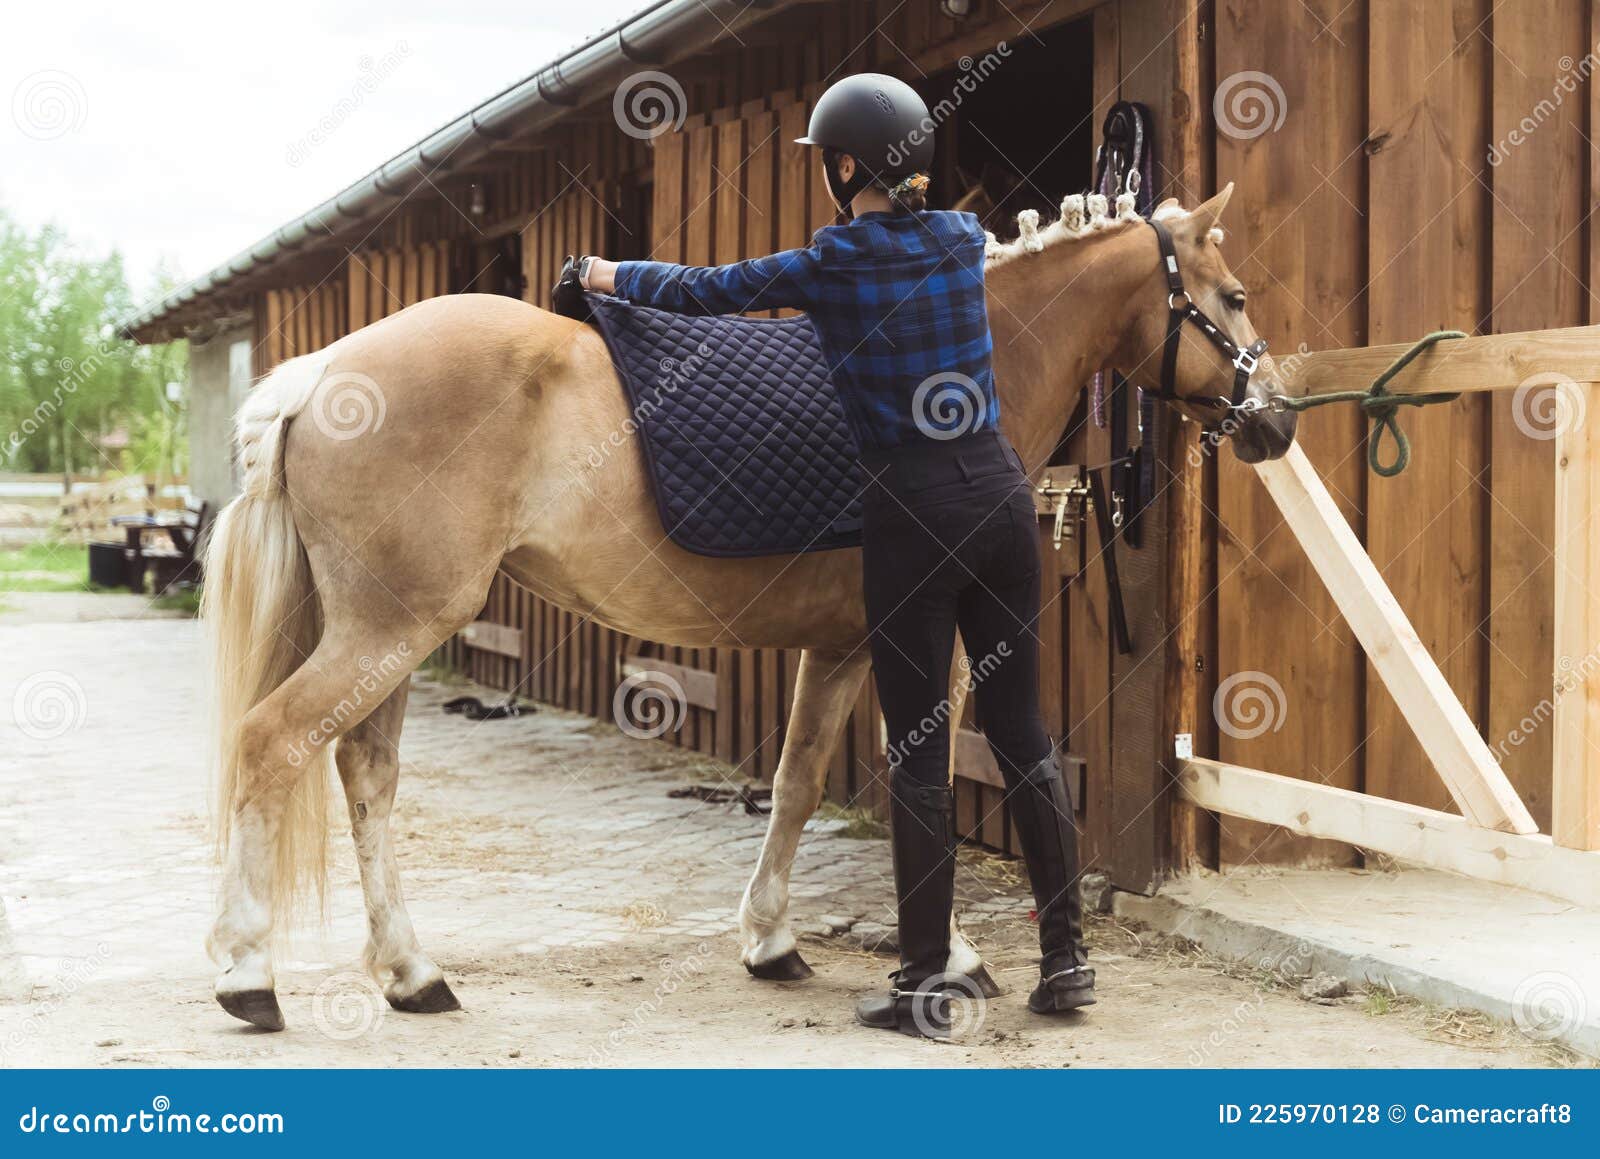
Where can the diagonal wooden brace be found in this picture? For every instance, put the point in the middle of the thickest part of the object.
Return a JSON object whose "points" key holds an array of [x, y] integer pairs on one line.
{"points": [[1463, 761]]}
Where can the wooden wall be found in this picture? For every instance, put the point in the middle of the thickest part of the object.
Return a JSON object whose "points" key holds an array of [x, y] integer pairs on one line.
{"points": [[1370, 214], [1373, 215], [723, 187]]}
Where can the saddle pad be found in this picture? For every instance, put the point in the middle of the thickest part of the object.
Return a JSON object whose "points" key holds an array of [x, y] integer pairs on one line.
{"points": [[745, 438]]}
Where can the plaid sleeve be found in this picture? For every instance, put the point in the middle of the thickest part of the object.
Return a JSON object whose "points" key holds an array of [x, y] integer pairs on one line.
{"points": [[791, 278]]}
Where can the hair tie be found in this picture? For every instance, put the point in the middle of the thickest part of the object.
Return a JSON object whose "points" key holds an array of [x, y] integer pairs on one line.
{"points": [[916, 183]]}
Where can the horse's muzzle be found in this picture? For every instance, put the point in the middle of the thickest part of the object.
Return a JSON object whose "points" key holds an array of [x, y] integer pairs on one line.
{"points": [[1263, 435]]}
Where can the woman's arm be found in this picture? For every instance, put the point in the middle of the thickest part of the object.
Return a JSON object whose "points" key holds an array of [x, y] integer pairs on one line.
{"points": [[791, 278]]}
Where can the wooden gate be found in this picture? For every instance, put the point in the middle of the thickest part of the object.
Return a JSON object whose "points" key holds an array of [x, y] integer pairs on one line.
{"points": [[1554, 373]]}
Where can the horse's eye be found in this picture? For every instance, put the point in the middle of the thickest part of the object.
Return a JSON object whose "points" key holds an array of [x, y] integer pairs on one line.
{"points": [[1235, 300]]}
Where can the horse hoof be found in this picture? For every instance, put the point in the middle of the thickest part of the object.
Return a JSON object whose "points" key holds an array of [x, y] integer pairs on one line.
{"points": [[434, 998], [984, 981], [257, 1007], [791, 967]]}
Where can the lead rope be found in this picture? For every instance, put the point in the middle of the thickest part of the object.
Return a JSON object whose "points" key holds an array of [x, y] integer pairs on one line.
{"points": [[1382, 406]]}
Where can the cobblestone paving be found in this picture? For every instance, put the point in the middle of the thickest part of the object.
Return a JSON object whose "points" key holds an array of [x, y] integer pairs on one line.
{"points": [[583, 915]]}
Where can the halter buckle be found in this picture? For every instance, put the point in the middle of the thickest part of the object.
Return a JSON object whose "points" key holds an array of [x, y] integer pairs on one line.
{"points": [[1246, 361]]}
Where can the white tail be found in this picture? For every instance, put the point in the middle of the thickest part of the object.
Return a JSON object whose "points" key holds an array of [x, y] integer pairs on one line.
{"points": [[263, 619]]}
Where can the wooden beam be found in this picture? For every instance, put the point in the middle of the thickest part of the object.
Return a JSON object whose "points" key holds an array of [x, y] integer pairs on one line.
{"points": [[1575, 798], [1016, 24], [490, 637], [699, 686], [1408, 832], [1488, 362], [1478, 785]]}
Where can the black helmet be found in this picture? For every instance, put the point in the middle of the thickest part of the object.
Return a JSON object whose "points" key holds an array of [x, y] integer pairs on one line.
{"points": [[879, 121]]}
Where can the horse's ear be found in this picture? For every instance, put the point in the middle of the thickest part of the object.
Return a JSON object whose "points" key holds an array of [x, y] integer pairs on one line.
{"points": [[1206, 216]]}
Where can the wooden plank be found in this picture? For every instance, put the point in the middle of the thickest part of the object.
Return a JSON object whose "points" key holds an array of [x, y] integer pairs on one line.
{"points": [[699, 686], [1407, 832], [1480, 363], [1191, 553], [1458, 753], [1295, 238], [1140, 807], [1536, 253], [356, 279], [491, 636], [1422, 280], [1575, 789]]}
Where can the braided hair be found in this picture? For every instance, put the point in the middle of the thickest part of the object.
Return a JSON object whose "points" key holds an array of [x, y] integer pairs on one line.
{"points": [[911, 194]]}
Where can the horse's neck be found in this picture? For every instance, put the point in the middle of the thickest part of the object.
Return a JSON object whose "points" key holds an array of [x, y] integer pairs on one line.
{"points": [[1058, 316]]}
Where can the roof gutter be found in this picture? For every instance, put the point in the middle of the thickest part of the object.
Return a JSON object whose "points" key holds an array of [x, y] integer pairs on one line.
{"points": [[665, 32]]}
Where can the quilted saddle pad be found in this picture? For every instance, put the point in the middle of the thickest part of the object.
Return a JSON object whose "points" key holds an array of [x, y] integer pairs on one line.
{"points": [[745, 439]]}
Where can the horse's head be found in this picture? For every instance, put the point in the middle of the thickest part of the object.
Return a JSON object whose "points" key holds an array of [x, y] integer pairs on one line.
{"points": [[1193, 342]]}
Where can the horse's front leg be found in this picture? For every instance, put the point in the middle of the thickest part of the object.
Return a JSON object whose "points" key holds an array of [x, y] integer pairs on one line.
{"points": [[368, 757], [825, 690]]}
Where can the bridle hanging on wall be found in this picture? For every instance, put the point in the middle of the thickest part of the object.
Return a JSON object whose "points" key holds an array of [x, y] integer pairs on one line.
{"points": [[1126, 164]]}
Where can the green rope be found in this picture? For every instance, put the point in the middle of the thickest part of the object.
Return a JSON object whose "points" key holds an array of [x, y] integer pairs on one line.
{"points": [[1383, 407]]}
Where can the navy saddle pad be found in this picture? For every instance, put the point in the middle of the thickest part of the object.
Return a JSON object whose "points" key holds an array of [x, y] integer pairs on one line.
{"points": [[743, 433]]}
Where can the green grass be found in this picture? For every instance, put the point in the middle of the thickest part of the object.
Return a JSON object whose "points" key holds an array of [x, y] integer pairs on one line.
{"points": [[45, 567], [187, 602]]}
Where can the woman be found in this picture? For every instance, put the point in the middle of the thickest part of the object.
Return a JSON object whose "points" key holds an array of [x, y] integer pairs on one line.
{"points": [[949, 530]]}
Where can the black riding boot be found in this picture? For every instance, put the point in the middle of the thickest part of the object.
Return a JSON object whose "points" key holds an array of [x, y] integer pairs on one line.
{"points": [[923, 839], [1042, 813]]}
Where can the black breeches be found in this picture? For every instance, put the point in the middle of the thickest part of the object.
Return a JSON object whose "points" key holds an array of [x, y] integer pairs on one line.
{"points": [[951, 541]]}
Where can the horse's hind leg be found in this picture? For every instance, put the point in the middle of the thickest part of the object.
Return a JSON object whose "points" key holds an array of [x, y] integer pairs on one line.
{"points": [[368, 757], [825, 689], [281, 740]]}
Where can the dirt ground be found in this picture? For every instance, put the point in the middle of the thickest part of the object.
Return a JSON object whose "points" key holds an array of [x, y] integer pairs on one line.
{"points": [[583, 916]]}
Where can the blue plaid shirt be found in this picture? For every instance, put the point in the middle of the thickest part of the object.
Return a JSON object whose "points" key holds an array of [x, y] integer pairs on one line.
{"points": [[898, 303]]}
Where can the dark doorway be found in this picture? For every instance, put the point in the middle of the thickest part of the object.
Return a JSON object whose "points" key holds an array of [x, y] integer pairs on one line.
{"points": [[491, 266], [1021, 131]]}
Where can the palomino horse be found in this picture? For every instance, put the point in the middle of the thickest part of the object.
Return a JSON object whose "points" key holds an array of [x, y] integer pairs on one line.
{"points": [[388, 477]]}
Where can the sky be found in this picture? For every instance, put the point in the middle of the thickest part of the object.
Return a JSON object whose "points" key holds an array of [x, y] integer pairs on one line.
{"points": [[180, 131]]}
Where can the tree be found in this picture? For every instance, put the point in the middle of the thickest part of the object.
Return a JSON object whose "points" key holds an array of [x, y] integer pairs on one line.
{"points": [[68, 381]]}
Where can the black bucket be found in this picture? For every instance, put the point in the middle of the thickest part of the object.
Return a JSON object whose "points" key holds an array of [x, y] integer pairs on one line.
{"points": [[108, 565]]}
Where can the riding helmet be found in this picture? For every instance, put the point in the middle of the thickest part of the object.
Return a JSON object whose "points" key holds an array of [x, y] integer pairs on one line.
{"points": [[880, 121]]}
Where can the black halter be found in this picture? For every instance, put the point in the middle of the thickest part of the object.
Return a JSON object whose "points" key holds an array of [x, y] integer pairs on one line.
{"points": [[1181, 309]]}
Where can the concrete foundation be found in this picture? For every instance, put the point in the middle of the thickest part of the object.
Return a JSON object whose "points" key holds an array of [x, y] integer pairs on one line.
{"points": [[1449, 941]]}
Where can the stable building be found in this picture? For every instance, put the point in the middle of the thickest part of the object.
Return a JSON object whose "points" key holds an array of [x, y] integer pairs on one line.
{"points": [[1396, 172]]}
